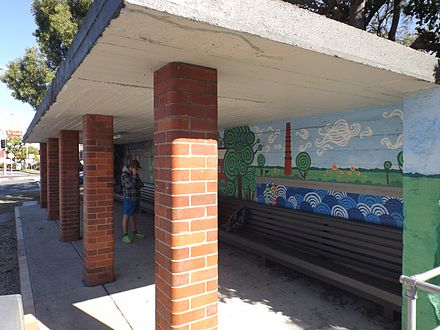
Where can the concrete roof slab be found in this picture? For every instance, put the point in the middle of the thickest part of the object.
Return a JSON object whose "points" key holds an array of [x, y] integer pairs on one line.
{"points": [[270, 56]]}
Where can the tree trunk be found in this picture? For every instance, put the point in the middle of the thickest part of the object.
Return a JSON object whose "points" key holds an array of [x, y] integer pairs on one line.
{"points": [[396, 17], [357, 14], [377, 5]]}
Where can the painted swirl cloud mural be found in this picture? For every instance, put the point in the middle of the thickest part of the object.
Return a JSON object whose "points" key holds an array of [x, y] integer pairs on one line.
{"points": [[339, 134], [359, 152]]}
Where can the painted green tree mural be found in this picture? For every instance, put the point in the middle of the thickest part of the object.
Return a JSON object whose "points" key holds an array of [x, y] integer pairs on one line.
{"points": [[241, 146], [400, 161], [303, 163], [387, 166], [261, 161]]}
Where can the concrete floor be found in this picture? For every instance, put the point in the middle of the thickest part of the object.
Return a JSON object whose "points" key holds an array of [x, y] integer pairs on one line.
{"points": [[252, 296]]}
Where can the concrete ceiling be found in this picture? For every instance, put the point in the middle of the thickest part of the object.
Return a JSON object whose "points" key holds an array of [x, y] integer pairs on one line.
{"points": [[260, 79]]}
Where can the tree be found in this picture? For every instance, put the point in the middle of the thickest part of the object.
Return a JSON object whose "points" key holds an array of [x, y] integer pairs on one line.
{"points": [[28, 77], [385, 18], [15, 145], [427, 15], [57, 24]]}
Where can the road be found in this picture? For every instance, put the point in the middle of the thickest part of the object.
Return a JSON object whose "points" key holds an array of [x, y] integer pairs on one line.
{"points": [[18, 184]]}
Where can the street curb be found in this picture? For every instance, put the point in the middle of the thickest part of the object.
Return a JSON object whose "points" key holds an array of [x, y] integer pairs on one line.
{"points": [[25, 281]]}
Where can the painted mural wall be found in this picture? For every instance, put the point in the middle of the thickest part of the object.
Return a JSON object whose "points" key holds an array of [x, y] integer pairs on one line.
{"points": [[421, 181], [298, 163]]}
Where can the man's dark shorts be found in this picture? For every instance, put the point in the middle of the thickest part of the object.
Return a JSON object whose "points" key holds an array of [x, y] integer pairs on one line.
{"points": [[131, 207]]}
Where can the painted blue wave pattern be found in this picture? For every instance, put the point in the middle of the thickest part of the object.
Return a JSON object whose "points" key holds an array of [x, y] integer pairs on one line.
{"points": [[383, 210]]}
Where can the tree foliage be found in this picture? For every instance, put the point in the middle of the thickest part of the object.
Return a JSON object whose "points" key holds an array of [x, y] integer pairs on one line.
{"points": [[15, 145], [28, 77], [57, 24], [386, 18], [427, 15]]}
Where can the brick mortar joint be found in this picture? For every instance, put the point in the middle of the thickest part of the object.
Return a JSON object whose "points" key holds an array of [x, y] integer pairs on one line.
{"points": [[190, 259]]}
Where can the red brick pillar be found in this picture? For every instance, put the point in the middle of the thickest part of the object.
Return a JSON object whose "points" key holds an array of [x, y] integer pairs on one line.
{"points": [[53, 186], [98, 220], [288, 152], [43, 175], [69, 185], [185, 111]]}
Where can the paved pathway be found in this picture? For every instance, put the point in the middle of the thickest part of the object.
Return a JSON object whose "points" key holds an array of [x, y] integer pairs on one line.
{"points": [[251, 295]]}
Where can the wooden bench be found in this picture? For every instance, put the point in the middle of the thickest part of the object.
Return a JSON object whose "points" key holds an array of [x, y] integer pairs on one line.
{"points": [[147, 197], [361, 258]]}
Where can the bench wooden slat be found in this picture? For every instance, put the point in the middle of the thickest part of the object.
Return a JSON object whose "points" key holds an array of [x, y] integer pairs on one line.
{"points": [[370, 254], [363, 286], [329, 240], [331, 252], [366, 240]]}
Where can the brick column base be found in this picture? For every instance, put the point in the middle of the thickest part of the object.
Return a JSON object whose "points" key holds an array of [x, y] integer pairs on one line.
{"points": [[53, 187], [185, 101], [43, 175], [69, 185], [99, 245]]}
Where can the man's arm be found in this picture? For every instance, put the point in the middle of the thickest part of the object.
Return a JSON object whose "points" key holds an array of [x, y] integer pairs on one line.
{"points": [[139, 182]]}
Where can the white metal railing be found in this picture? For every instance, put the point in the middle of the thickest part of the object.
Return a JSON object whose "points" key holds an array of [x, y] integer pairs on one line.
{"points": [[412, 283]]}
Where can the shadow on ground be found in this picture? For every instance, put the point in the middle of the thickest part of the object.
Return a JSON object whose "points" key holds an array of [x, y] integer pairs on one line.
{"points": [[303, 302]]}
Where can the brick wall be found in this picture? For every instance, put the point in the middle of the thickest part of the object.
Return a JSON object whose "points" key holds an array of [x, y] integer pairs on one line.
{"points": [[98, 199], [69, 185], [53, 205], [186, 197]]}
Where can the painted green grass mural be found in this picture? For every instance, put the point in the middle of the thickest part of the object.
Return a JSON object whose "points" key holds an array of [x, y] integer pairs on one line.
{"points": [[352, 175]]}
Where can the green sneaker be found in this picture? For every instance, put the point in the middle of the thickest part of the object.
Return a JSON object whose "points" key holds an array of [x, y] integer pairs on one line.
{"points": [[126, 239], [137, 234]]}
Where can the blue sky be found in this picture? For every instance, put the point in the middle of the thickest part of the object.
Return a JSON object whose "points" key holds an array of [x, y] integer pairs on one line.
{"points": [[16, 28]]}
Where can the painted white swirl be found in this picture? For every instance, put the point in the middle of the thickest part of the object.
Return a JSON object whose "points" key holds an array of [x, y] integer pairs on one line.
{"points": [[303, 134], [312, 198], [339, 211], [271, 138], [339, 134], [281, 191], [394, 113], [367, 132], [304, 147], [387, 142], [292, 200]]}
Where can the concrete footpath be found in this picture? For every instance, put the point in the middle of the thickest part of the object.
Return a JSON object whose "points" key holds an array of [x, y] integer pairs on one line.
{"points": [[252, 296]]}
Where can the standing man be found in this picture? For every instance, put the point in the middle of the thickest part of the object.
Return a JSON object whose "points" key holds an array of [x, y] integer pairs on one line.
{"points": [[131, 188]]}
